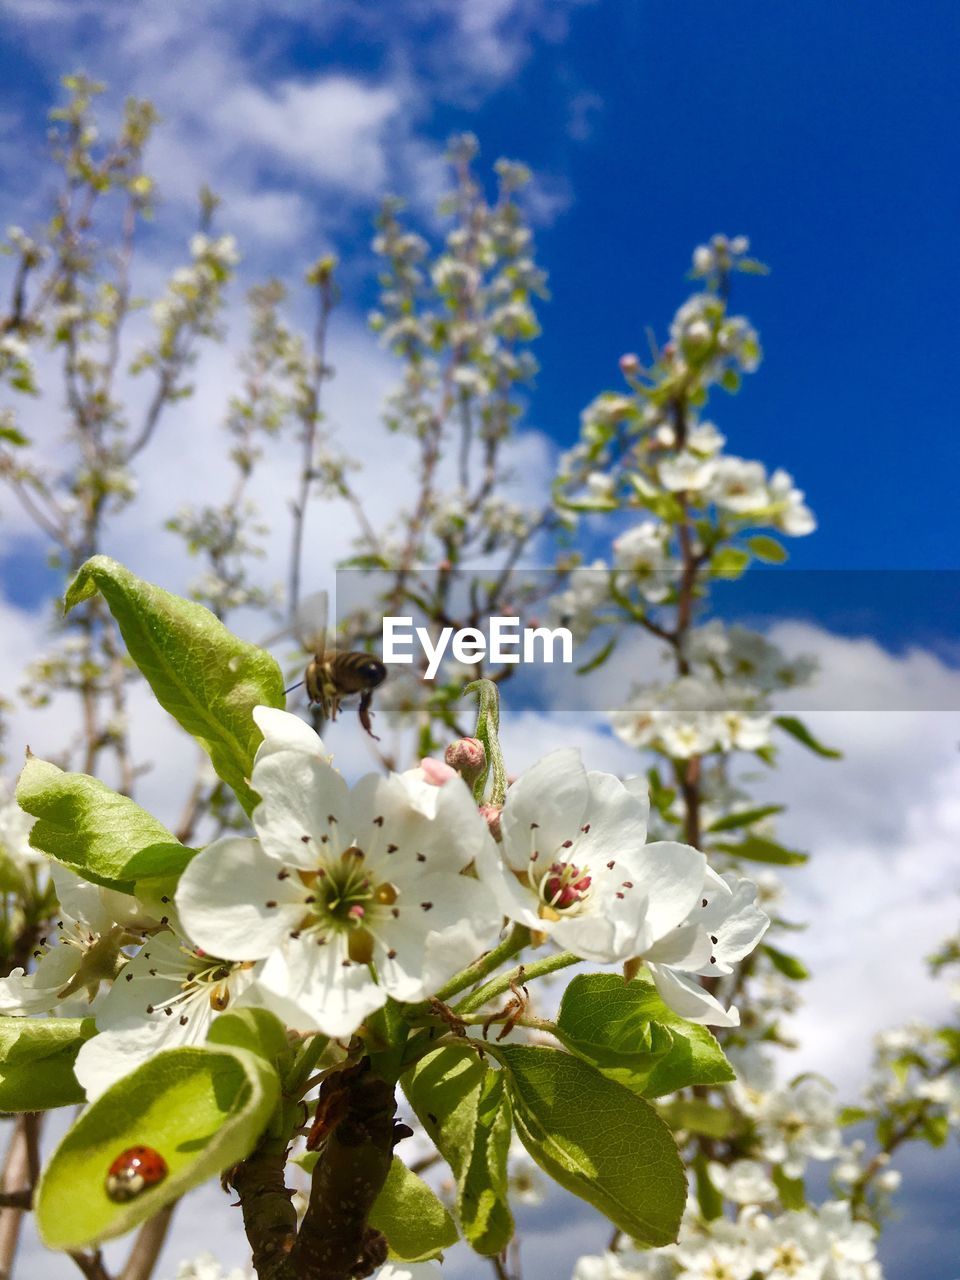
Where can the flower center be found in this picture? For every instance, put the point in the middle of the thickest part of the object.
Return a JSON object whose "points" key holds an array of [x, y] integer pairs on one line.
{"points": [[563, 888], [788, 1258], [198, 979], [344, 896]]}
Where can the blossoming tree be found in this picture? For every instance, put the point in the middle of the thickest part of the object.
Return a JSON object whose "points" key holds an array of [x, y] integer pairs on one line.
{"points": [[300, 978]]}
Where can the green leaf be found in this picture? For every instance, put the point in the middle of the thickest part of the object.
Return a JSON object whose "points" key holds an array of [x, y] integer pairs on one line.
{"points": [[483, 1188], [36, 1062], [598, 658], [852, 1115], [787, 964], [99, 834], [415, 1222], [627, 1032], [457, 1101], [708, 1197], [661, 797], [206, 678], [598, 1140], [729, 562], [697, 1116], [935, 1130], [757, 849], [12, 436], [792, 1192], [767, 548], [797, 729], [201, 1109], [745, 817], [256, 1030]]}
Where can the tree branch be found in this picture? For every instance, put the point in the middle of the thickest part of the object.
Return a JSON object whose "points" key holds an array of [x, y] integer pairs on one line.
{"points": [[15, 1174], [355, 1134], [147, 1246]]}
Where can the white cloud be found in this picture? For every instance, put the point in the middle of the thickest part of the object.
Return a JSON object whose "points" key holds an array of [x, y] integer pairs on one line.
{"points": [[333, 128]]}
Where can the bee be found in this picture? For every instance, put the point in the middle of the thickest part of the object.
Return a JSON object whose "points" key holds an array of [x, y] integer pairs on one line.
{"points": [[331, 675]]}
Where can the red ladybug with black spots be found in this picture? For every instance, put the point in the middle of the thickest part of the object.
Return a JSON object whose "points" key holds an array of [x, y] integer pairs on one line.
{"points": [[133, 1172]]}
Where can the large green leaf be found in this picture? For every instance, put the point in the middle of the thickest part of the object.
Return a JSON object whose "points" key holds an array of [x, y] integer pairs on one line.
{"points": [[627, 1032], [482, 1192], [598, 1140], [460, 1103], [36, 1062], [414, 1220], [103, 836], [207, 679], [201, 1109]]}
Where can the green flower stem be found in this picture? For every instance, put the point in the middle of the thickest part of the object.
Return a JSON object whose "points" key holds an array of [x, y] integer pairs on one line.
{"points": [[522, 973], [488, 732], [534, 1024], [307, 1058], [516, 940]]}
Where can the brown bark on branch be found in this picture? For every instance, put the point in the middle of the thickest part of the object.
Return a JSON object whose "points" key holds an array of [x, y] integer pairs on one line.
{"points": [[355, 1135]]}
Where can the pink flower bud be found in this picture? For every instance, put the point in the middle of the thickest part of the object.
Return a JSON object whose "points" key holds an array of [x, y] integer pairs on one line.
{"points": [[491, 816], [629, 364], [435, 771], [468, 757]]}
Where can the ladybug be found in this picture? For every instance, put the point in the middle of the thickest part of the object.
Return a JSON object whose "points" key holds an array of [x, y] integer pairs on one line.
{"points": [[133, 1171]]}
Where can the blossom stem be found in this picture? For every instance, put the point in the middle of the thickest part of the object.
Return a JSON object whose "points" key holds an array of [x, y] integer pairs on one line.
{"points": [[302, 1069], [488, 732], [516, 940], [522, 973]]}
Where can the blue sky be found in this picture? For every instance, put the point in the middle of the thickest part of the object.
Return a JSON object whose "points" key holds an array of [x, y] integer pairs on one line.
{"points": [[824, 131]]}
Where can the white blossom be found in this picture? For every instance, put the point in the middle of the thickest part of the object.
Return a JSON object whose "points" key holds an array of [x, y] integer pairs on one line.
{"points": [[339, 881], [166, 996]]}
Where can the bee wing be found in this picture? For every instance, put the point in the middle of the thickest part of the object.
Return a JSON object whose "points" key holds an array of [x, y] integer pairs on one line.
{"points": [[311, 624], [309, 628]]}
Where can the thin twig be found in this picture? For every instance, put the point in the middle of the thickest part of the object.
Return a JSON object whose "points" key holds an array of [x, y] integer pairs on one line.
{"points": [[148, 1245], [15, 1174], [311, 421], [92, 1265]]}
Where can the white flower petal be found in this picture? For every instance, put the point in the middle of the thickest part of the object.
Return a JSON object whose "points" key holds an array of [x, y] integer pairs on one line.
{"points": [[544, 807], [430, 945], [304, 801], [108, 1057], [38, 992], [688, 948], [515, 900], [685, 996], [670, 877], [316, 988], [733, 918], [283, 731], [616, 815], [222, 897]]}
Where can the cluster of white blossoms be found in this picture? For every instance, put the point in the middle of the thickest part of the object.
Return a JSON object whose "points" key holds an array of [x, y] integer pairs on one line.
{"points": [[823, 1243], [193, 298], [346, 897], [401, 878], [722, 705], [720, 256]]}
